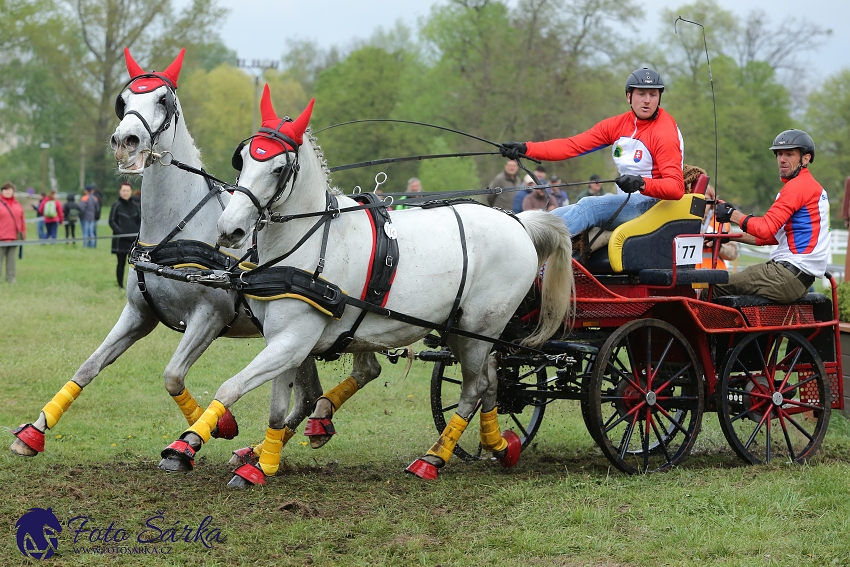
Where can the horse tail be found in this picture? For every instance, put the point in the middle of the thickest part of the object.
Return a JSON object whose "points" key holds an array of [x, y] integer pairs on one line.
{"points": [[554, 247]]}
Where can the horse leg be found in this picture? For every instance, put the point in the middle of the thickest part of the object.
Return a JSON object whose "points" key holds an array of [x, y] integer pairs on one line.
{"points": [[201, 331], [478, 384], [285, 349], [319, 426], [135, 322], [306, 390], [506, 447]]}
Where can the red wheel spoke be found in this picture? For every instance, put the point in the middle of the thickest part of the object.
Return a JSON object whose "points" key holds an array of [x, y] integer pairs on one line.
{"points": [[634, 366], [763, 361], [644, 436], [624, 416], [767, 441], [798, 426], [627, 379], [744, 414], [785, 433], [648, 356], [757, 429], [800, 383], [675, 423], [659, 363], [790, 370], [803, 405], [627, 437], [676, 376], [660, 440], [751, 393]]}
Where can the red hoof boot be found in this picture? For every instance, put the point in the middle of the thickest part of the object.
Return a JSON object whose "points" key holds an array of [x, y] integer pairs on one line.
{"points": [[423, 469], [247, 456], [31, 437], [319, 426], [226, 428], [252, 473], [180, 450], [513, 451]]}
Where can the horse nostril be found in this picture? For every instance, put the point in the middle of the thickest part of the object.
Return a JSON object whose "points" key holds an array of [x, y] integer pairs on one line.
{"points": [[131, 141], [113, 142], [238, 234]]}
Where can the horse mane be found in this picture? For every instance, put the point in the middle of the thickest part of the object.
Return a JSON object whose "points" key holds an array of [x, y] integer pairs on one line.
{"points": [[314, 142]]}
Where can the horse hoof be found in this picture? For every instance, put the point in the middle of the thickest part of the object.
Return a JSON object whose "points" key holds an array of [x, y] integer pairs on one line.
{"points": [[178, 457], [21, 449], [511, 456], [247, 476], [245, 455], [423, 469], [29, 442], [226, 428], [319, 430]]}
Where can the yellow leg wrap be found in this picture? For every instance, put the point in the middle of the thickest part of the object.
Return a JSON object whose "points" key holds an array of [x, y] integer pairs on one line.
{"points": [[287, 435], [206, 423], [272, 444], [491, 434], [189, 406], [446, 443], [61, 402], [341, 392]]}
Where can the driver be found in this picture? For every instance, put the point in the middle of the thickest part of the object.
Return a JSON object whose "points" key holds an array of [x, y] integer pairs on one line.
{"points": [[797, 221], [648, 152]]}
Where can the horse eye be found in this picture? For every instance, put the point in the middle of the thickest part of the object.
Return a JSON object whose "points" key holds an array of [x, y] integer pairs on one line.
{"points": [[162, 100], [277, 170]]}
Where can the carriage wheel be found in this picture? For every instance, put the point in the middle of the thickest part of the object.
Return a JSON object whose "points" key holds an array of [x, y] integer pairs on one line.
{"points": [[774, 399], [524, 421], [645, 397]]}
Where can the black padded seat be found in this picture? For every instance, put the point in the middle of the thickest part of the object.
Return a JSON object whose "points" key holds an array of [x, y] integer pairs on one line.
{"points": [[738, 301], [683, 277]]}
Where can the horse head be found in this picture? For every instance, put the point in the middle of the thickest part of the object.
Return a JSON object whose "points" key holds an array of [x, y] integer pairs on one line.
{"points": [[268, 164], [147, 107]]}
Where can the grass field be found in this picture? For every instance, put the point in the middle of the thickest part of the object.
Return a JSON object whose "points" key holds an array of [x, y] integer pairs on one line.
{"points": [[350, 503]]}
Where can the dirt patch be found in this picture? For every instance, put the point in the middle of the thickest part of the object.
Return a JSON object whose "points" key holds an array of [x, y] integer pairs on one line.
{"points": [[298, 508]]}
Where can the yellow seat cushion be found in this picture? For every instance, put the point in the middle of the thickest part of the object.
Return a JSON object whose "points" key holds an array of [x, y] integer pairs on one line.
{"points": [[662, 213]]}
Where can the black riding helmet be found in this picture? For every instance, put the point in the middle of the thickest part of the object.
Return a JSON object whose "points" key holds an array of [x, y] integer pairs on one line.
{"points": [[644, 78], [795, 139]]}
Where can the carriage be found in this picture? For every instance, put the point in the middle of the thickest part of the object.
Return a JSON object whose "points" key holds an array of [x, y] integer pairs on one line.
{"points": [[646, 357]]}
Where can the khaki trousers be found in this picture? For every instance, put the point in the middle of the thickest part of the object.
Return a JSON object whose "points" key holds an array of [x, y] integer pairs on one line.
{"points": [[771, 281], [8, 254]]}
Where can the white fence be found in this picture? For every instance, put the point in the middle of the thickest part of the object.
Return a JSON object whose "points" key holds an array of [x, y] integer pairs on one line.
{"points": [[837, 251]]}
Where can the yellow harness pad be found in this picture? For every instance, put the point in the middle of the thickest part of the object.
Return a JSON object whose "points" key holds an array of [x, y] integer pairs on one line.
{"points": [[445, 445], [342, 392], [189, 406], [656, 217], [60, 402], [206, 423], [491, 433]]}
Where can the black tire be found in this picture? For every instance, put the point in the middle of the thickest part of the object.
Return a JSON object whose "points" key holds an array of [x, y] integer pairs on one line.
{"points": [[797, 398], [664, 409], [445, 393]]}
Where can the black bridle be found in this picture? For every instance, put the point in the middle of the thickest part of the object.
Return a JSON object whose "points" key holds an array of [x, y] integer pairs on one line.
{"points": [[171, 111], [288, 174]]}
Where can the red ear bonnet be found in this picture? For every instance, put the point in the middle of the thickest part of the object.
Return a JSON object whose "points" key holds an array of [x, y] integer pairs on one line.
{"points": [[169, 76], [265, 147]]}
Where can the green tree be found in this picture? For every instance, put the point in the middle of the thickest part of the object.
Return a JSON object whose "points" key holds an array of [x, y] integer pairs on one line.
{"points": [[451, 174], [828, 121]]}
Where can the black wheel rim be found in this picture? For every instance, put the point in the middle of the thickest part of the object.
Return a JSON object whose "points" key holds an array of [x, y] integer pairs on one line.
{"points": [[645, 397], [445, 393], [774, 400]]}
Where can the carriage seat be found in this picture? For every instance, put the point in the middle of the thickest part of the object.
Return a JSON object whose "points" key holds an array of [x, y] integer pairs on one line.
{"points": [[646, 243], [685, 276], [738, 301]]}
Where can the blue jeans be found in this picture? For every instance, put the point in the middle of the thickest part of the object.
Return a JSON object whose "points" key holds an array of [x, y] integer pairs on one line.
{"points": [[50, 229], [88, 233], [595, 211], [39, 224]]}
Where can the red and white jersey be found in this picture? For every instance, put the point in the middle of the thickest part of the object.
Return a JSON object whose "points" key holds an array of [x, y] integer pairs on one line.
{"points": [[653, 149], [798, 222]]}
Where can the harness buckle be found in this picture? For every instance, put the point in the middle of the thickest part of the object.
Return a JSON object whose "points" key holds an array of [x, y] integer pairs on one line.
{"points": [[321, 265], [389, 261], [143, 287], [181, 225]]}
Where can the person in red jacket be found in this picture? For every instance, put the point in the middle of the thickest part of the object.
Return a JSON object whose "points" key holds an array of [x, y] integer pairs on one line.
{"points": [[12, 227], [648, 151], [797, 222], [51, 210]]}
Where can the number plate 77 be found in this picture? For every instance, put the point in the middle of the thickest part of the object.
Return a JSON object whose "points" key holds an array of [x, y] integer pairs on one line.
{"points": [[688, 250]]}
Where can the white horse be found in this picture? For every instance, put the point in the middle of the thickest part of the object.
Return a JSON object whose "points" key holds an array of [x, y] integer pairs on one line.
{"points": [[503, 258], [152, 117]]}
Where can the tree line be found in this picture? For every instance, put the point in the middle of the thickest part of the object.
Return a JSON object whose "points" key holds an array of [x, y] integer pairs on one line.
{"points": [[542, 69]]}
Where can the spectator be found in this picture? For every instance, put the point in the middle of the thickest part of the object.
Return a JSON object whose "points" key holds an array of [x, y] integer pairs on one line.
{"points": [[124, 218], [12, 227], [537, 199], [507, 178], [413, 186], [51, 210], [89, 215], [558, 193], [39, 218], [71, 210], [540, 174], [594, 188]]}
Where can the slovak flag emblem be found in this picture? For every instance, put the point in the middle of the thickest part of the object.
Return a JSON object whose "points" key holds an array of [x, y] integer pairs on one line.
{"points": [[638, 156], [143, 87], [261, 151]]}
